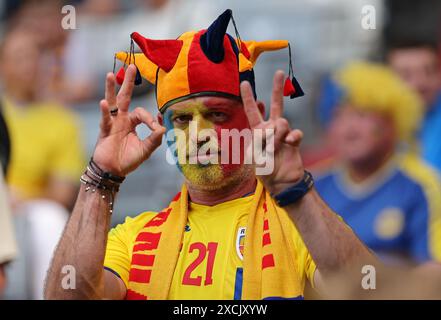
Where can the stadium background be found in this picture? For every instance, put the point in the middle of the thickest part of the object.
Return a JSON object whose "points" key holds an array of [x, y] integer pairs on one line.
{"points": [[324, 35]]}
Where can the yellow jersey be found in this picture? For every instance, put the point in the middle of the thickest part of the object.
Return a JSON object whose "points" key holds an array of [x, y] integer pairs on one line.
{"points": [[210, 263], [45, 142]]}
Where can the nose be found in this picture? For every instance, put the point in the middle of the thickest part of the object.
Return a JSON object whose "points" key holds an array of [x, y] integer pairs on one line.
{"points": [[201, 124], [201, 140]]}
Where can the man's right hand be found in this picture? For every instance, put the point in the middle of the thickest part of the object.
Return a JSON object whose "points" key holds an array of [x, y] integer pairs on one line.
{"points": [[119, 150]]}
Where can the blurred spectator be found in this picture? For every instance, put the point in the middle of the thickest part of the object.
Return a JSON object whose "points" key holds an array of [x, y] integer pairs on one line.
{"points": [[389, 197], [8, 246], [320, 157], [46, 161], [417, 63], [8, 8], [104, 28], [43, 17]]}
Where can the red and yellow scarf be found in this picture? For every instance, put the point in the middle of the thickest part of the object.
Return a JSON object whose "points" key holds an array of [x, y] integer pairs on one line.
{"points": [[269, 263]]}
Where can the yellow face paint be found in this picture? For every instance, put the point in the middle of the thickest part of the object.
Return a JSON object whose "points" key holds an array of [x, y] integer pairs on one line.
{"points": [[199, 126], [192, 120]]}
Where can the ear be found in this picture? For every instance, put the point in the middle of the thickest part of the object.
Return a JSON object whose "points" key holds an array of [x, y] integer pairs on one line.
{"points": [[160, 119], [261, 107]]}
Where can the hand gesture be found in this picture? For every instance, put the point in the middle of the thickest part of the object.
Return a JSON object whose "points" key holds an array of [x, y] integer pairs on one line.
{"points": [[119, 150], [288, 167]]}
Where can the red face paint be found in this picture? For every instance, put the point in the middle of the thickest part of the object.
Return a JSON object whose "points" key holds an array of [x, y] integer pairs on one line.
{"points": [[219, 114], [236, 119]]}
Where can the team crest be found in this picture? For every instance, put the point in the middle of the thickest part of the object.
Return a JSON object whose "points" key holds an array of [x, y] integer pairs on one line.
{"points": [[240, 241]]}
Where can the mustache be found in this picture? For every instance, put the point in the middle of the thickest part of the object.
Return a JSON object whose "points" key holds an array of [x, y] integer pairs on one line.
{"points": [[210, 147]]}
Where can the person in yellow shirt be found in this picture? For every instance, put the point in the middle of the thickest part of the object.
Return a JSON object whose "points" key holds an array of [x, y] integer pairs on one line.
{"points": [[46, 162], [46, 147], [214, 240], [240, 228], [46, 158]]}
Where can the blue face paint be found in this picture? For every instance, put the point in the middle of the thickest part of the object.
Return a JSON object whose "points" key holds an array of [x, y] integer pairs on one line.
{"points": [[168, 123], [171, 143]]}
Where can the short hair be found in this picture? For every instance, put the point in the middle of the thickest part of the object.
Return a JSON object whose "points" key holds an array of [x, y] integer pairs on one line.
{"points": [[412, 43]]}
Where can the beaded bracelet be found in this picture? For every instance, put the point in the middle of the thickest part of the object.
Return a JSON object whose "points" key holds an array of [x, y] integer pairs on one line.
{"points": [[95, 178]]}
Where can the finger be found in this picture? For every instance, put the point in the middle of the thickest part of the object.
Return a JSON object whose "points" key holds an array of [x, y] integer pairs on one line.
{"points": [[250, 105], [154, 140], [294, 137], [110, 95], [125, 93], [106, 121], [276, 110], [140, 115], [281, 130]]}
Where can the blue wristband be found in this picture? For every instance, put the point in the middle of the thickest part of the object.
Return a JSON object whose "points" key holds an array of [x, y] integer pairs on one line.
{"points": [[296, 192]]}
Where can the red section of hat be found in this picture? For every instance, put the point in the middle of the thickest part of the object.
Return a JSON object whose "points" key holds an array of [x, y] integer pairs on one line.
{"points": [[205, 75], [163, 53]]}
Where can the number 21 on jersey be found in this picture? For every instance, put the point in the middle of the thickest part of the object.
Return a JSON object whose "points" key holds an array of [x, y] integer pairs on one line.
{"points": [[203, 252]]}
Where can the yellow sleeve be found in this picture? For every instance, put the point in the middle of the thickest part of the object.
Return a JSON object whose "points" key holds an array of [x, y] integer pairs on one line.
{"points": [[120, 241], [68, 159], [117, 259], [309, 267]]}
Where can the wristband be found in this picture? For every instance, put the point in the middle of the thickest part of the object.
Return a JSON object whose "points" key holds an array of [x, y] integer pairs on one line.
{"points": [[105, 175], [294, 193], [95, 178]]}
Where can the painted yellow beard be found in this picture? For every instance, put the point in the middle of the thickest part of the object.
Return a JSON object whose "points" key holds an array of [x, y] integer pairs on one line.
{"points": [[206, 176], [212, 177]]}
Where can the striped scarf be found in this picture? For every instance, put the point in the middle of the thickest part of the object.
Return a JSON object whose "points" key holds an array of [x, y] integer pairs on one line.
{"points": [[269, 268]]}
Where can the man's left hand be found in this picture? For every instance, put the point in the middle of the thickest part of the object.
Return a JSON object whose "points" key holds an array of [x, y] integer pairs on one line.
{"points": [[288, 166]]}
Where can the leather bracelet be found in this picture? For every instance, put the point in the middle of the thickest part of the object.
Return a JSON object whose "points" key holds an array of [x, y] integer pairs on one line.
{"points": [[95, 178], [294, 193], [102, 182], [105, 175]]}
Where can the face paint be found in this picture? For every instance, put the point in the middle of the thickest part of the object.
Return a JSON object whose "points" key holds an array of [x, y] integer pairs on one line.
{"points": [[171, 137], [215, 114], [239, 121]]}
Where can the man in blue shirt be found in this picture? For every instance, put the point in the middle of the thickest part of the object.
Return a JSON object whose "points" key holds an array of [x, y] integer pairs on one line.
{"points": [[417, 63], [390, 199]]}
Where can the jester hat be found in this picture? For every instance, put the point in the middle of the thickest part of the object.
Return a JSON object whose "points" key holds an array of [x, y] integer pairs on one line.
{"points": [[200, 63]]}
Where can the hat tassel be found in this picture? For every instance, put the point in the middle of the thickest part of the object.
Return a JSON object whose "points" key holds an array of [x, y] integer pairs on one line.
{"points": [[292, 87], [122, 72]]}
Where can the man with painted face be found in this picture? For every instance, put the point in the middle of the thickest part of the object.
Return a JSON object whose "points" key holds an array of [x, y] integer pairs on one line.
{"points": [[227, 234]]}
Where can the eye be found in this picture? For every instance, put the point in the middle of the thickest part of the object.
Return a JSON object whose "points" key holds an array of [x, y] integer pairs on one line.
{"points": [[182, 119], [218, 116]]}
